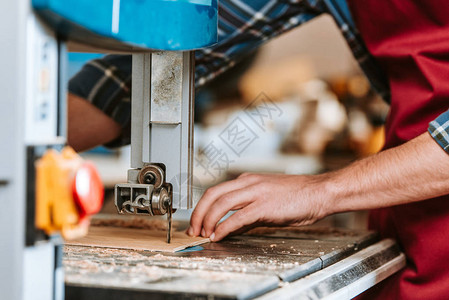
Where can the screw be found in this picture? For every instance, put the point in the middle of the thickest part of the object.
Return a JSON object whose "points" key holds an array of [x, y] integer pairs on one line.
{"points": [[166, 202], [149, 178]]}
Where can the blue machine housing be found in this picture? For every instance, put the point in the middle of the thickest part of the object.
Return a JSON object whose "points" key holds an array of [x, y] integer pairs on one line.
{"points": [[133, 24]]}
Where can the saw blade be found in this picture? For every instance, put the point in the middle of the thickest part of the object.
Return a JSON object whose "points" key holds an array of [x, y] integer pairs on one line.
{"points": [[169, 221]]}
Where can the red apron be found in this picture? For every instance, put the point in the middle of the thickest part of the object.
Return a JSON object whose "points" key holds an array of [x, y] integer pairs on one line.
{"points": [[410, 39]]}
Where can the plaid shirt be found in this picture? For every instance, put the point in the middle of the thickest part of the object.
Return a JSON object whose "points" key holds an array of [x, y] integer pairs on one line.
{"points": [[439, 130], [242, 28]]}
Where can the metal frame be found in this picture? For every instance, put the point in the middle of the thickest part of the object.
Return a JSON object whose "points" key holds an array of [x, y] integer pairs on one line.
{"points": [[162, 118], [30, 117], [348, 277]]}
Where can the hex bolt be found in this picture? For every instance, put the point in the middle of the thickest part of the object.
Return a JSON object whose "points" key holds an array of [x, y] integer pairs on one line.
{"points": [[166, 202], [149, 178]]}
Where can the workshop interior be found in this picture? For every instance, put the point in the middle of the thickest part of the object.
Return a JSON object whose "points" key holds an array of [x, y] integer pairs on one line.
{"points": [[290, 107]]}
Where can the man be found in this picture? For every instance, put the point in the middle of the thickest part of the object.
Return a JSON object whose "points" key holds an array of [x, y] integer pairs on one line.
{"points": [[406, 185]]}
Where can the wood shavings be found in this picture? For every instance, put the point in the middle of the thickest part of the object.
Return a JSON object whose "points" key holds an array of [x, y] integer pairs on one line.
{"points": [[76, 256], [306, 230]]}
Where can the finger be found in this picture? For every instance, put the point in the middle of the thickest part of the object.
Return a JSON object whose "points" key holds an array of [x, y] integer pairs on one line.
{"points": [[245, 217], [230, 201], [211, 195]]}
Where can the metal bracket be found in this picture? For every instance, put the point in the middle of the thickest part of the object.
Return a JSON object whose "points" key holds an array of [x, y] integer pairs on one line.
{"points": [[141, 199]]}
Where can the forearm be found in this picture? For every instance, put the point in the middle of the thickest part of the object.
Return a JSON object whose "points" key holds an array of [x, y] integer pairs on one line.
{"points": [[414, 171], [88, 126]]}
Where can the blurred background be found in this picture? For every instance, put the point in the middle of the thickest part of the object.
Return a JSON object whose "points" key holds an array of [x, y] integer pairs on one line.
{"points": [[300, 105]]}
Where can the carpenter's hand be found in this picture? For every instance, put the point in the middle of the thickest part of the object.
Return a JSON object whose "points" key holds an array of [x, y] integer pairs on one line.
{"points": [[260, 200]]}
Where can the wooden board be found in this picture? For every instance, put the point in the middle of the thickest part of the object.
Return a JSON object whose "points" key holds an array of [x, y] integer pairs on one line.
{"points": [[137, 239]]}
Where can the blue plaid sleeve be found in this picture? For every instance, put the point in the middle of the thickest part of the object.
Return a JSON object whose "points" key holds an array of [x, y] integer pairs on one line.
{"points": [[106, 83], [243, 26], [439, 130]]}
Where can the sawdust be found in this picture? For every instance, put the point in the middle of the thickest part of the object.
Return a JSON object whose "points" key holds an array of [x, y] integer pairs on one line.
{"points": [[135, 222], [305, 230], [142, 273], [78, 259], [81, 251]]}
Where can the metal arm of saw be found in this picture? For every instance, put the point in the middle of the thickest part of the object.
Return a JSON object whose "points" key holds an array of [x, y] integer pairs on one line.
{"points": [[161, 135]]}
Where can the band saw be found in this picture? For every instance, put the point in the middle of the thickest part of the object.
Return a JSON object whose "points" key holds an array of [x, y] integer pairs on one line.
{"points": [[161, 35]]}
